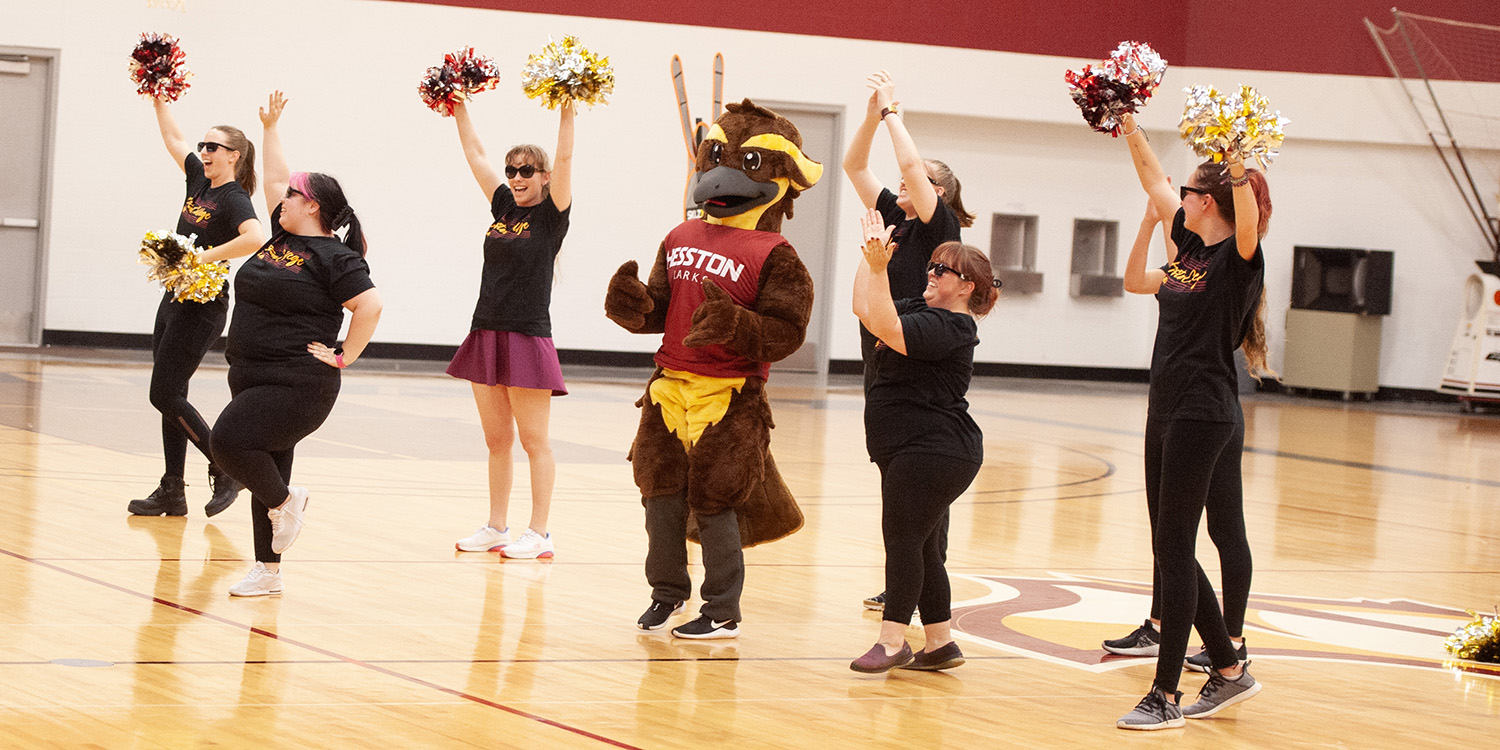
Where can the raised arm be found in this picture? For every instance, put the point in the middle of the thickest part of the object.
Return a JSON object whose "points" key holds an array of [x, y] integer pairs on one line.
{"points": [[872, 286], [1138, 278], [561, 185], [1153, 178], [171, 135], [857, 158], [479, 163], [277, 175], [919, 189], [1246, 209]]}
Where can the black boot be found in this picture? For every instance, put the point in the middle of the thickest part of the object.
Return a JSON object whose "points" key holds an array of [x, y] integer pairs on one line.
{"points": [[168, 499], [226, 488]]}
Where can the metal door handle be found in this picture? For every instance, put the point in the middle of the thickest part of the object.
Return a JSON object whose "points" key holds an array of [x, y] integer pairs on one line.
{"points": [[20, 223]]}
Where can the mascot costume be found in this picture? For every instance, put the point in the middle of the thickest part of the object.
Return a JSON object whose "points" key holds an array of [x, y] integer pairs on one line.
{"points": [[730, 296]]}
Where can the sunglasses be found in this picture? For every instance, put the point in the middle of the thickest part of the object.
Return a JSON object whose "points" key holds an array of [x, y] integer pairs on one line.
{"points": [[938, 269], [525, 171], [1189, 189], [291, 191], [211, 147]]}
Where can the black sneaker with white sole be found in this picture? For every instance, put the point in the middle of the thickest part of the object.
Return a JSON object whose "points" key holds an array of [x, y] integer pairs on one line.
{"points": [[1143, 641], [707, 628], [1200, 662], [656, 616], [875, 603]]}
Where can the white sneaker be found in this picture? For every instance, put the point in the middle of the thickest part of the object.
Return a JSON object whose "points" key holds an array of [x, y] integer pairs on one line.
{"points": [[286, 521], [530, 546], [486, 539], [260, 581]]}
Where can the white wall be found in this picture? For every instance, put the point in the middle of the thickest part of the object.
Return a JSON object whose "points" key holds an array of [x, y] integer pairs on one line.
{"points": [[1356, 170]]}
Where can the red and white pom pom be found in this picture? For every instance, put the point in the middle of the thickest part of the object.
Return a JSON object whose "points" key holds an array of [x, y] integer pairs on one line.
{"points": [[1119, 85], [158, 67], [461, 75]]}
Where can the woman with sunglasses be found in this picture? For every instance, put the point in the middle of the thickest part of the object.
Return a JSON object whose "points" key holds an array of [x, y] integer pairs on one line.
{"points": [[218, 210], [284, 361], [919, 432], [1211, 299], [926, 211], [508, 356]]}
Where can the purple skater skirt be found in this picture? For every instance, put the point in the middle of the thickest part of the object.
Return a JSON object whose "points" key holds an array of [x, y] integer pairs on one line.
{"points": [[509, 359]]}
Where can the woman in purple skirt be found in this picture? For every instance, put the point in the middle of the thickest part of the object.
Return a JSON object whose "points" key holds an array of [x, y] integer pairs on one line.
{"points": [[508, 355]]}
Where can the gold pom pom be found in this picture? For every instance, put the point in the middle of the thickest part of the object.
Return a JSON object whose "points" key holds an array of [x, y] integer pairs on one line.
{"points": [[173, 262], [566, 71], [1216, 125], [1477, 641]]}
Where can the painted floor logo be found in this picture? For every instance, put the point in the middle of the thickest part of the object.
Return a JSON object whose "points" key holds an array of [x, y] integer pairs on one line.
{"points": [[1062, 619]]}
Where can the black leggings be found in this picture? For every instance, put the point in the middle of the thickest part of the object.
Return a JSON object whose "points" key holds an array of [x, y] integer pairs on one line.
{"points": [[1191, 467], [916, 490], [273, 407], [184, 333]]}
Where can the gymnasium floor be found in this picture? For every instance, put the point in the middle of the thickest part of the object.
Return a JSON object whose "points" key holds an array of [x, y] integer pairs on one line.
{"points": [[1373, 526]]}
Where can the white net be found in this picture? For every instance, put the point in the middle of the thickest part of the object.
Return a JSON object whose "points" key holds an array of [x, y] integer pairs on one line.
{"points": [[1451, 72]]}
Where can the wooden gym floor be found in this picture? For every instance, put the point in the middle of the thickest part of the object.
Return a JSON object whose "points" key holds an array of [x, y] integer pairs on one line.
{"points": [[1373, 526]]}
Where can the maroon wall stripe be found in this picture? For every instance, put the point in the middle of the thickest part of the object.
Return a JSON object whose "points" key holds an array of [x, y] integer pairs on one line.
{"points": [[1300, 36]]}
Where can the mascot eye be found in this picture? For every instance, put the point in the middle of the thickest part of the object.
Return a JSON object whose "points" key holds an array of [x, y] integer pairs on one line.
{"points": [[715, 152], [752, 161]]}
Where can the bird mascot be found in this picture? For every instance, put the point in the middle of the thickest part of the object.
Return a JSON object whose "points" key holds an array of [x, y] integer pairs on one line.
{"points": [[729, 296]]}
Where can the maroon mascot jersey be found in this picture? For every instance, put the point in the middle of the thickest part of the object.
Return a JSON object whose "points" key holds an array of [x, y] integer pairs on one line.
{"points": [[734, 264]]}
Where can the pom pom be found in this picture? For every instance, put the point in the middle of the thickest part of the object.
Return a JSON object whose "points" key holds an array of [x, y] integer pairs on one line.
{"points": [[1120, 84], [1477, 641], [157, 67], [174, 262], [462, 75], [1217, 126], [565, 71]]}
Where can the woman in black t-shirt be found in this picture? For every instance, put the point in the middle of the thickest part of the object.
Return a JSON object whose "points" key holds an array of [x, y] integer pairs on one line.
{"points": [[927, 210], [1211, 299], [919, 433], [218, 210], [284, 361], [508, 356]]}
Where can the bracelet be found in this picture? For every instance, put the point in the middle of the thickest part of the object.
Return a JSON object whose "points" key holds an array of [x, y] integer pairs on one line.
{"points": [[339, 360], [1133, 132], [1243, 180], [884, 111]]}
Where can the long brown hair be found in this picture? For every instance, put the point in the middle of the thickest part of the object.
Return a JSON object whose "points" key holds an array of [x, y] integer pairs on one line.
{"points": [[1214, 178], [244, 169], [975, 267], [952, 191]]}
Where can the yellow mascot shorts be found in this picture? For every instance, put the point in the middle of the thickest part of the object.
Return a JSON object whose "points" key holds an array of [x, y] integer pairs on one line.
{"points": [[690, 403]]}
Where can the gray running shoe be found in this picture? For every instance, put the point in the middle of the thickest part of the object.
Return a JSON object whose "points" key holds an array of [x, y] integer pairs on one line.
{"points": [[1155, 711], [1143, 641], [1221, 692], [1200, 662]]}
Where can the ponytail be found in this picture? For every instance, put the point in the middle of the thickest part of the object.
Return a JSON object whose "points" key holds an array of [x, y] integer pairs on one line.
{"points": [[1254, 344], [335, 212], [952, 192]]}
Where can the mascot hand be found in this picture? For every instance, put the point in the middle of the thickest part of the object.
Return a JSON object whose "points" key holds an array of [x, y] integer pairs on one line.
{"points": [[715, 321], [627, 302]]}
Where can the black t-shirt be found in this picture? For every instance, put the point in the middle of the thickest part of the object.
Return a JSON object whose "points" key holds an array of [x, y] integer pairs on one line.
{"points": [[515, 289], [291, 293], [907, 269], [1207, 305], [917, 404], [214, 214]]}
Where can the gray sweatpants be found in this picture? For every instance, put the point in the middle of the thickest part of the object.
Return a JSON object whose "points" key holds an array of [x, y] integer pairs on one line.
{"points": [[667, 558]]}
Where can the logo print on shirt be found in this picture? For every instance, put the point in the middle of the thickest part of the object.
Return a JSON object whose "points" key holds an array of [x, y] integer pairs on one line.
{"points": [[691, 264], [198, 215], [502, 230], [1186, 274], [282, 258]]}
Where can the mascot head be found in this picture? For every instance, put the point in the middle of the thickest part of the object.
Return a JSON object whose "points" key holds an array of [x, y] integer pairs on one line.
{"points": [[751, 168]]}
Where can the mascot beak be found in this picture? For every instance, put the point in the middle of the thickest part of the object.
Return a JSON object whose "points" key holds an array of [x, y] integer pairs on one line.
{"points": [[726, 191]]}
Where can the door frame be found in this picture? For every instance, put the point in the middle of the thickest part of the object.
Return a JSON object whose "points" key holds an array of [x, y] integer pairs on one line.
{"points": [[832, 180], [44, 205]]}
